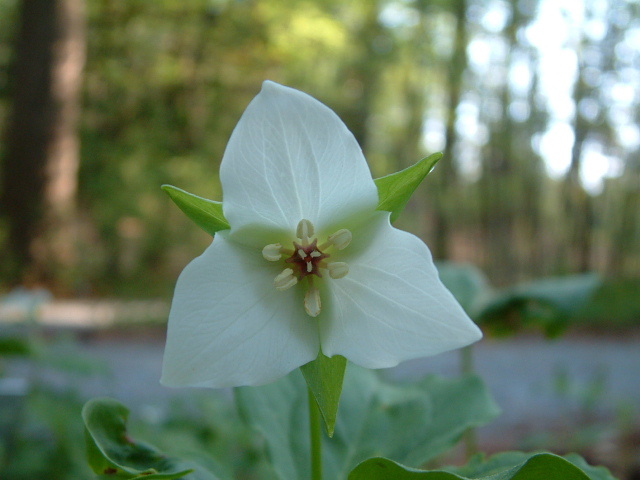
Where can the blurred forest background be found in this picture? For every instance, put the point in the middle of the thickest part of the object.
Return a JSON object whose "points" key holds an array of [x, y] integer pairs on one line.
{"points": [[535, 104]]}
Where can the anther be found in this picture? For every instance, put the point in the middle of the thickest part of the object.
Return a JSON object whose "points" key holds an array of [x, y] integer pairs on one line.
{"points": [[285, 279], [272, 252], [304, 230], [312, 303], [341, 239], [337, 269]]}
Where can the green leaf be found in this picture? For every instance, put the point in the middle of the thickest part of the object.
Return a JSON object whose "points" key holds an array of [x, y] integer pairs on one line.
{"points": [[550, 304], [278, 411], [480, 466], [207, 214], [112, 454], [395, 190], [412, 423], [324, 377], [509, 466], [15, 347]]}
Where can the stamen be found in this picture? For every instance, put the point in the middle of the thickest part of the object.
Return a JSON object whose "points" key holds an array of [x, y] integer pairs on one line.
{"points": [[338, 269], [309, 267], [272, 252], [305, 230], [341, 239], [315, 254], [302, 253], [285, 279], [312, 303]]}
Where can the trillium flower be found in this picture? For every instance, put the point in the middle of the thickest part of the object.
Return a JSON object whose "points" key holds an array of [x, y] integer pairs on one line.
{"points": [[309, 263]]}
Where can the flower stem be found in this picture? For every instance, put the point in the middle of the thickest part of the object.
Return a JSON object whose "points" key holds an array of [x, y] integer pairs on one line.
{"points": [[467, 368], [315, 431]]}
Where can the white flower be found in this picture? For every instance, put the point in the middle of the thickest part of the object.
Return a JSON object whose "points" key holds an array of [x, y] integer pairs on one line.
{"points": [[308, 263]]}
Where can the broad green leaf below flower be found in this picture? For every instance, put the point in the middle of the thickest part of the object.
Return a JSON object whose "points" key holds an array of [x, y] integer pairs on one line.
{"points": [[324, 377], [395, 190], [509, 466], [207, 214], [112, 454], [412, 423]]}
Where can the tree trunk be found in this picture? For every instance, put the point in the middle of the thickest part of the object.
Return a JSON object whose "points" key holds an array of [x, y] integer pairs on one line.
{"points": [[577, 202], [39, 178], [446, 173]]}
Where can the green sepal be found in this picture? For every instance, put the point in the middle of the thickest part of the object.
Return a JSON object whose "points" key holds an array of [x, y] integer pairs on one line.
{"points": [[506, 466], [324, 377], [207, 214], [112, 454], [395, 190]]}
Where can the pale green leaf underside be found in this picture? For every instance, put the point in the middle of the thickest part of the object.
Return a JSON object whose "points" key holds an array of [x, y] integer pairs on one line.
{"points": [[510, 466], [395, 190], [324, 378], [207, 214]]}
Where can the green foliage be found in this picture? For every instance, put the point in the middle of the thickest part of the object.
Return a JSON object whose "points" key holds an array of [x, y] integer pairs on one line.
{"points": [[324, 377], [111, 453], [615, 305], [207, 214], [506, 466], [14, 346], [41, 435], [395, 190], [549, 304], [411, 423]]}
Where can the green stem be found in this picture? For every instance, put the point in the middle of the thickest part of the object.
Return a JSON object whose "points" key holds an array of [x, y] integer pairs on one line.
{"points": [[315, 430], [466, 361], [467, 368]]}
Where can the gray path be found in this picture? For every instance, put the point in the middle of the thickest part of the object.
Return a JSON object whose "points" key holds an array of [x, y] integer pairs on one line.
{"points": [[538, 384]]}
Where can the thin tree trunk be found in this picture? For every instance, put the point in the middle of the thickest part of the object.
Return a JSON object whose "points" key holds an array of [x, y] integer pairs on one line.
{"points": [[446, 175], [578, 203], [499, 184], [39, 178]]}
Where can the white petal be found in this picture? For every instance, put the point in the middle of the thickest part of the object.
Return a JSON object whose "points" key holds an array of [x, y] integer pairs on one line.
{"points": [[291, 158], [228, 324], [392, 306]]}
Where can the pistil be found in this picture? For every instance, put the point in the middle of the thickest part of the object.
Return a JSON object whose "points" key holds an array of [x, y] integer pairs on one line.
{"points": [[306, 259]]}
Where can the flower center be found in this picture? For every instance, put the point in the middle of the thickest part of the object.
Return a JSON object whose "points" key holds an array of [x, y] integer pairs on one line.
{"points": [[307, 260]]}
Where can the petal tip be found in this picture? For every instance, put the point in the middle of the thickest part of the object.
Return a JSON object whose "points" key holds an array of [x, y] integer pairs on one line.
{"points": [[269, 86]]}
